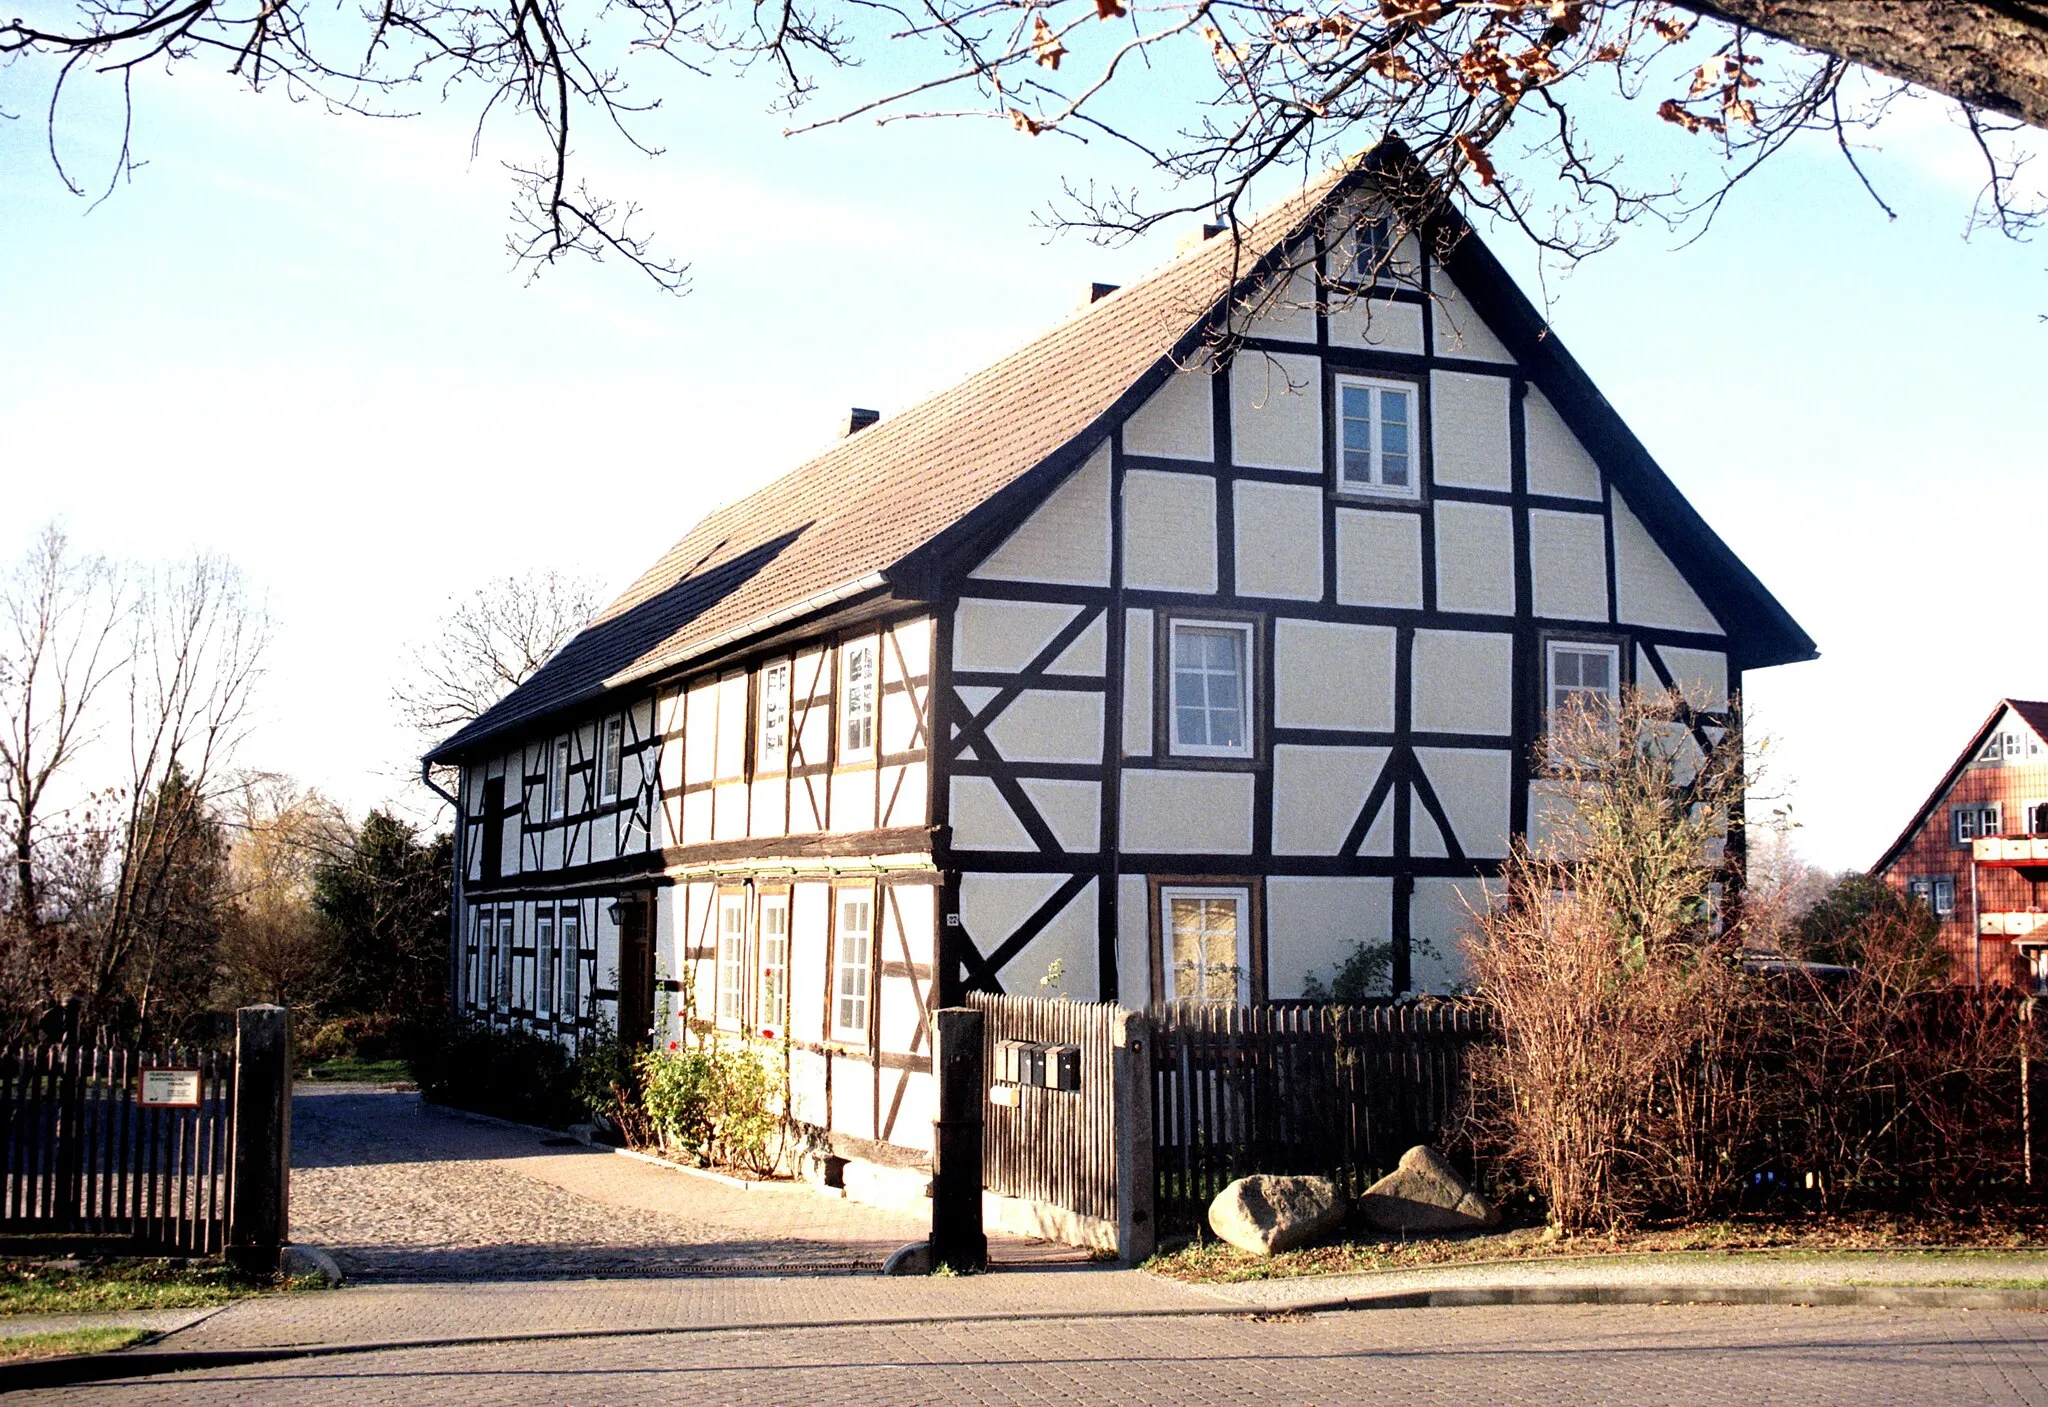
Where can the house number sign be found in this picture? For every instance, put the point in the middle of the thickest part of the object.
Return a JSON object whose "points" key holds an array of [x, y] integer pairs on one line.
{"points": [[169, 1089]]}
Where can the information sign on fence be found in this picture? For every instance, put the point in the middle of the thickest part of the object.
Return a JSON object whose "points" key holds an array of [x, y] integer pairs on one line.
{"points": [[169, 1089]]}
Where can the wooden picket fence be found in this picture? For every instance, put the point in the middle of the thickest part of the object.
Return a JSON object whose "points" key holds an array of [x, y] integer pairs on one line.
{"points": [[1055, 1147], [1338, 1091], [80, 1156]]}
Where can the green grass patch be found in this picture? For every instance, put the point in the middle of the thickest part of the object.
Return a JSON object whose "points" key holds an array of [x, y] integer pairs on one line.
{"points": [[34, 1287], [20, 1347], [353, 1071]]}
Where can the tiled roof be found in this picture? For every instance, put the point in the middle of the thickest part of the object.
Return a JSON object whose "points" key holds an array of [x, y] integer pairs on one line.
{"points": [[882, 493], [2033, 713]]}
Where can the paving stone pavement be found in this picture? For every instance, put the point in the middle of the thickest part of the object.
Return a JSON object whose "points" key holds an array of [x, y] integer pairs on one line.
{"points": [[400, 1190], [1686, 1357]]}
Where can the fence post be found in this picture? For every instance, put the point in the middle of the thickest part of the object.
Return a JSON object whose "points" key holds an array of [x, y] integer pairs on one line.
{"points": [[1130, 1104], [958, 1065], [260, 1160]]}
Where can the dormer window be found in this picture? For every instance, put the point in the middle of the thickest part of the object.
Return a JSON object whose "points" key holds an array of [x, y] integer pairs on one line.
{"points": [[1376, 437]]}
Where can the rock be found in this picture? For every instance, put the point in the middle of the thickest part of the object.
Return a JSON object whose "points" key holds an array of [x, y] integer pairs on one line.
{"points": [[1425, 1193], [1266, 1215], [913, 1259]]}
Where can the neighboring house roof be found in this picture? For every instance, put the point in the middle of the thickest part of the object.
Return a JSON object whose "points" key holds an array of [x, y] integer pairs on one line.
{"points": [[2034, 714], [886, 506]]}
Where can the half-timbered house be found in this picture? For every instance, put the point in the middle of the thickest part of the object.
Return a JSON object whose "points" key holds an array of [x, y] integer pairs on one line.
{"points": [[1170, 657], [1976, 850]]}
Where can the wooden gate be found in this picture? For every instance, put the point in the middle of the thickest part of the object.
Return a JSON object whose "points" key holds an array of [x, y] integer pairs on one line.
{"points": [[1339, 1092], [84, 1157]]}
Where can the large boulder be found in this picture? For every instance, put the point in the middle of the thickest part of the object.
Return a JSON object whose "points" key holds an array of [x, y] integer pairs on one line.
{"points": [[1266, 1215], [1425, 1193]]}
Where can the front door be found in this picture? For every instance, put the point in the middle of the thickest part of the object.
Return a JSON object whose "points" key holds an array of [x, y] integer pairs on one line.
{"points": [[636, 973]]}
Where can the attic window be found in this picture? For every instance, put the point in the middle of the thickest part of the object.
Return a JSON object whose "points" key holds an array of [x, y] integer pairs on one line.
{"points": [[1588, 672], [2011, 745], [1376, 437], [1372, 251]]}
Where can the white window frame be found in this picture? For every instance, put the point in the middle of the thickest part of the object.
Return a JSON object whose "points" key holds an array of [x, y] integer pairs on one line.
{"points": [[1553, 648], [1944, 904], [732, 958], [558, 778], [853, 963], [569, 938], [611, 757], [859, 701], [2035, 814], [544, 959], [1246, 694], [1974, 820], [773, 759], [1376, 486], [1238, 894], [506, 989], [771, 969]]}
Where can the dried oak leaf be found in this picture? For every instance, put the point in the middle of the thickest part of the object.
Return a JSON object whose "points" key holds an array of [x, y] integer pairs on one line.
{"points": [[1412, 11], [1046, 44], [1392, 65], [1024, 122], [1108, 9], [1481, 163], [1671, 30]]}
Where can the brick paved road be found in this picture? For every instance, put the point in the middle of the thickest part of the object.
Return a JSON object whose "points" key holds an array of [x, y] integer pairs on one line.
{"points": [[398, 1190], [1677, 1356]]}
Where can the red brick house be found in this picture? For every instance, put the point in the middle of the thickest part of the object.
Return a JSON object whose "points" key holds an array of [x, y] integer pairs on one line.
{"points": [[1977, 850]]}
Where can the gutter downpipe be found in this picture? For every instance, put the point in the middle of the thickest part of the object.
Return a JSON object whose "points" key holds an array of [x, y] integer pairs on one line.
{"points": [[456, 869]]}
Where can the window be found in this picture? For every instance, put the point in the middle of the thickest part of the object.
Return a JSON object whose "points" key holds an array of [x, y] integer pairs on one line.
{"points": [[1206, 935], [572, 962], [1944, 895], [1582, 671], [1376, 437], [503, 949], [772, 1009], [544, 960], [2037, 818], [857, 699], [1211, 701], [2011, 745], [772, 747], [479, 958], [1372, 250], [558, 778], [1967, 823], [611, 762], [856, 951], [732, 959]]}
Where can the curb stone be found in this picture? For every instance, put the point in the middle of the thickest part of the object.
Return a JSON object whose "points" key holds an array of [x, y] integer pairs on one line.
{"points": [[146, 1362]]}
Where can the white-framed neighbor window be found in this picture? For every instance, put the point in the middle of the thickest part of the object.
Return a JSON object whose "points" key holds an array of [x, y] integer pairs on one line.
{"points": [[853, 963], [1210, 669], [771, 1009], [504, 960], [480, 958], [1967, 823], [2037, 818], [544, 959], [732, 958], [771, 742], [2010, 745], [1937, 892], [572, 961], [558, 778], [1577, 669], [1376, 437], [857, 698], [1205, 940], [611, 758]]}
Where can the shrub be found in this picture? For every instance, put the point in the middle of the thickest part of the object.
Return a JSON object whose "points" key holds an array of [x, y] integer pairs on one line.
{"points": [[512, 1074], [382, 1037], [715, 1103]]}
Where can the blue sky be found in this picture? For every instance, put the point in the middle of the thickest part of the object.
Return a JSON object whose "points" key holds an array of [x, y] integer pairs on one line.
{"points": [[295, 338]]}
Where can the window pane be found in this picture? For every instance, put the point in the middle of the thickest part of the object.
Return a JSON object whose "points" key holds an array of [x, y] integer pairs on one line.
{"points": [[1593, 671], [1394, 471], [1358, 403], [1357, 466], [1357, 434]]}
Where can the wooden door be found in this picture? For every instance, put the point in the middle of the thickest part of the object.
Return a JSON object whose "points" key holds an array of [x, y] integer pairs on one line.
{"points": [[636, 973]]}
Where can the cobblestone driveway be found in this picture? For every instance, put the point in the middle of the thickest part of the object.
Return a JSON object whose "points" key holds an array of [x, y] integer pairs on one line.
{"points": [[1686, 1357], [400, 1190]]}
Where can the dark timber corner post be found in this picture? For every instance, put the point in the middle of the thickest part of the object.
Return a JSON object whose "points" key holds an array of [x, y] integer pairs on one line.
{"points": [[259, 1209], [958, 1065]]}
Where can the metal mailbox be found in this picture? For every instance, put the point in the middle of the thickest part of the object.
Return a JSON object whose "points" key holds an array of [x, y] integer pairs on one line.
{"points": [[1038, 1065]]}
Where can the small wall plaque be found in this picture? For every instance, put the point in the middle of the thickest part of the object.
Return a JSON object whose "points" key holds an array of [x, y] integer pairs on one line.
{"points": [[169, 1089]]}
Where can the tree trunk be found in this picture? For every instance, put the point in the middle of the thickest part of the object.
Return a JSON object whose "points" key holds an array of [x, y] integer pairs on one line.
{"points": [[1990, 54]]}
